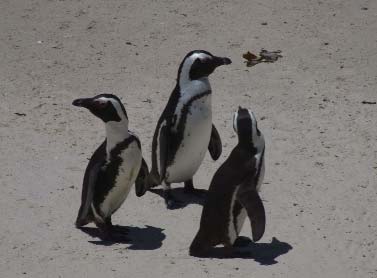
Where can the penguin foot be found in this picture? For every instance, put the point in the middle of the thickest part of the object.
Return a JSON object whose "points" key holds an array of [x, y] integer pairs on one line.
{"points": [[190, 189], [172, 203], [242, 241]]}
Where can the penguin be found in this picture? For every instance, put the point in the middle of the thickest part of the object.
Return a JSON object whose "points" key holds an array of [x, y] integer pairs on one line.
{"points": [[184, 130], [233, 194], [113, 168]]}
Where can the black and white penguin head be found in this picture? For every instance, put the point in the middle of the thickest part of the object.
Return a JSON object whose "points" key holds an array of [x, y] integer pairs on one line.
{"points": [[198, 64], [246, 126], [107, 107]]}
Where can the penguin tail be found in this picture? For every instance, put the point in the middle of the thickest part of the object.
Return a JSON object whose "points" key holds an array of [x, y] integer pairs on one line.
{"points": [[152, 181], [199, 246], [82, 221]]}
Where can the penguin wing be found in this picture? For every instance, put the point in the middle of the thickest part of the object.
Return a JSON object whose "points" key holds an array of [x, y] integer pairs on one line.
{"points": [[140, 183], [92, 172], [250, 200], [215, 146], [160, 144], [164, 147], [159, 153]]}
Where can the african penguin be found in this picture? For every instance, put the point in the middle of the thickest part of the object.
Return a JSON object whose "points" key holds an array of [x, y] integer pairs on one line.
{"points": [[184, 130], [113, 168], [233, 194]]}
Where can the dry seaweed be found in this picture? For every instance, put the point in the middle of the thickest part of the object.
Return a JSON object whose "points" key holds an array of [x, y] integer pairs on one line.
{"points": [[263, 57]]}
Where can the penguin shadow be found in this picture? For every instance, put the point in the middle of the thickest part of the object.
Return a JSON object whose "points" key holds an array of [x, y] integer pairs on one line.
{"points": [[266, 253], [147, 238], [183, 198], [263, 253]]}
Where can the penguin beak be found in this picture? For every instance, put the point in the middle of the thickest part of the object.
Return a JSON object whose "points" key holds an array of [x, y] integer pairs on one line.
{"points": [[83, 102], [220, 61]]}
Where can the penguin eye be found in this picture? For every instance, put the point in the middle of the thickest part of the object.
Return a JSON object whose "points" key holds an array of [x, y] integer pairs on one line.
{"points": [[100, 104], [197, 62]]}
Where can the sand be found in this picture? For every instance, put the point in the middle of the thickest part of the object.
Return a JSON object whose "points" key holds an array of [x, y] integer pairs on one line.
{"points": [[321, 158]]}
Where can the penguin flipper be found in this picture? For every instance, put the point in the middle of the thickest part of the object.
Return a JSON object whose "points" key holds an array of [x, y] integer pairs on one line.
{"points": [[215, 147], [250, 200], [164, 148], [159, 146], [141, 180], [90, 179]]}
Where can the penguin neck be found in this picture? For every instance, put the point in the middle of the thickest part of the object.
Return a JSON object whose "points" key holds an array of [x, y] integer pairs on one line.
{"points": [[116, 132], [191, 88], [247, 143]]}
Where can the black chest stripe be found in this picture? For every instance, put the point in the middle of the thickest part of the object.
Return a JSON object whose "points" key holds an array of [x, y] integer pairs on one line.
{"points": [[110, 172], [177, 137], [115, 152]]}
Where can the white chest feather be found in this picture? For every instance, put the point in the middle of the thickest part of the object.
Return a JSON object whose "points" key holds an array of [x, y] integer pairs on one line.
{"points": [[196, 136], [127, 173]]}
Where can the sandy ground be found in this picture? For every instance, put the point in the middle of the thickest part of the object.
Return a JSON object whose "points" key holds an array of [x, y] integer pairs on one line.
{"points": [[321, 163]]}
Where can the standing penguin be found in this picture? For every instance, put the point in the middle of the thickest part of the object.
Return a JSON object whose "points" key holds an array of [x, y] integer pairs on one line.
{"points": [[185, 131], [113, 168], [233, 193]]}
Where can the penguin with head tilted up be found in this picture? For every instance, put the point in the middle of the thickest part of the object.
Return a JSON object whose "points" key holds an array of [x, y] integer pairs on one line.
{"points": [[113, 168], [185, 131], [233, 194]]}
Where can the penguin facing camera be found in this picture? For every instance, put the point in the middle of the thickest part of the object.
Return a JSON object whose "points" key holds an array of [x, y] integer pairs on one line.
{"points": [[233, 194], [185, 131], [113, 168]]}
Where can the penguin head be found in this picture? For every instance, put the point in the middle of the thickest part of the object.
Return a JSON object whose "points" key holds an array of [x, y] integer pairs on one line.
{"points": [[246, 126], [198, 64], [107, 107]]}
